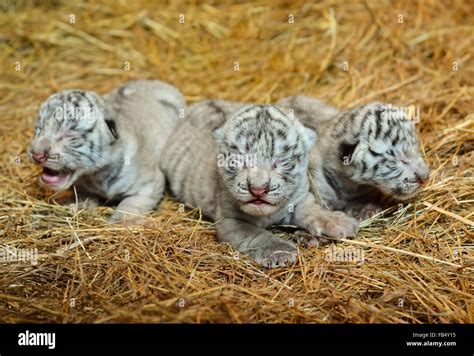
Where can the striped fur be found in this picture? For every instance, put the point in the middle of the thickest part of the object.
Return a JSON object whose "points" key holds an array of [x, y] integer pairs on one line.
{"points": [[109, 146], [362, 153], [245, 167]]}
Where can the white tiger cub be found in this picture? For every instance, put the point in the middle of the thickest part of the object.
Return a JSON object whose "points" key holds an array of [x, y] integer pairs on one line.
{"points": [[251, 176], [108, 146], [361, 154]]}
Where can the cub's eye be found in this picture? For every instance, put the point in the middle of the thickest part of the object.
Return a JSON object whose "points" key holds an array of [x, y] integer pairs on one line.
{"points": [[70, 136], [375, 153], [404, 159], [37, 130], [287, 164], [392, 164]]}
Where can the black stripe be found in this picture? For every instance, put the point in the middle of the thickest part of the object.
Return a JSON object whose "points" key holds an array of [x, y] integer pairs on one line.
{"points": [[389, 173], [378, 122], [273, 120], [373, 153], [332, 182], [250, 108], [370, 132], [88, 156], [387, 134], [263, 115], [398, 175], [396, 139], [242, 122], [112, 127], [91, 146], [111, 176], [233, 147], [85, 134], [281, 134], [271, 142], [287, 148], [363, 123]]}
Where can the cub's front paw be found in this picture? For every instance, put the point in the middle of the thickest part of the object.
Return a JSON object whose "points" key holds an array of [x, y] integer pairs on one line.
{"points": [[125, 218], [364, 212], [275, 254], [333, 224], [82, 203], [90, 203]]}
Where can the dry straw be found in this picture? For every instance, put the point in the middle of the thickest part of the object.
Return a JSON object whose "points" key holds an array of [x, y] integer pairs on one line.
{"points": [[418, 263]]}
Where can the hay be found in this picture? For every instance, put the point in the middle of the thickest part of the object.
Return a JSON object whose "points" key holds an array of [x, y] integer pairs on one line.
{"points": [[418, 258]]}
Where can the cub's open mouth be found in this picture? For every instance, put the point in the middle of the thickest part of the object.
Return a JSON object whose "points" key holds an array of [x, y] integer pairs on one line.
{"points": [[53, 177], [258, 202]]}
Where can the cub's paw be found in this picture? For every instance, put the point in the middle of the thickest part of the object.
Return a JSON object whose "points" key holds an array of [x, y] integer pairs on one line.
{"points": [[308, 240], [275, 254], [82, 203], [364, 212], [89, 203], [335, 224], [125, 218]]}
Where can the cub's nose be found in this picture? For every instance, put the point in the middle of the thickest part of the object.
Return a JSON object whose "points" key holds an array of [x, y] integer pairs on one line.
{"points": [[258, 192], [40, 157], [422, 177]]}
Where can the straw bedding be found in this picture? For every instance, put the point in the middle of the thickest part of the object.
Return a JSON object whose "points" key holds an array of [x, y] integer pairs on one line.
{"points": [[415, 263]]}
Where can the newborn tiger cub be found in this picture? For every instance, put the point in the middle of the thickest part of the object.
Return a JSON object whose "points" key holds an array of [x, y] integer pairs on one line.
{"points": [[108, 146], [251, 176], [361, 154]]}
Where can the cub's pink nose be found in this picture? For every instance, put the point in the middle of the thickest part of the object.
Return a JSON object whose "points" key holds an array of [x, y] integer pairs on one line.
{"points": [[422, 177], [40, 157], [258, 191]]}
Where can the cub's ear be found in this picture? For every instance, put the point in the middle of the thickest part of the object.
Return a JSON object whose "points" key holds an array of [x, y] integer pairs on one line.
{"points": [[112, 128], [218, 135], [348, 151], [309, 137]]}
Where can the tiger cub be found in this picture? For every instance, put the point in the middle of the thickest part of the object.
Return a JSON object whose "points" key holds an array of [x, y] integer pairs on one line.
{"points": [[361, 154], [108, 146], [245, 167]]}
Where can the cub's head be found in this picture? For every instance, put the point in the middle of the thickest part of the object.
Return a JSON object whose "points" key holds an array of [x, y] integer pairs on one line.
{"points": [[383, 150], [263, 155], [72, 134]]}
